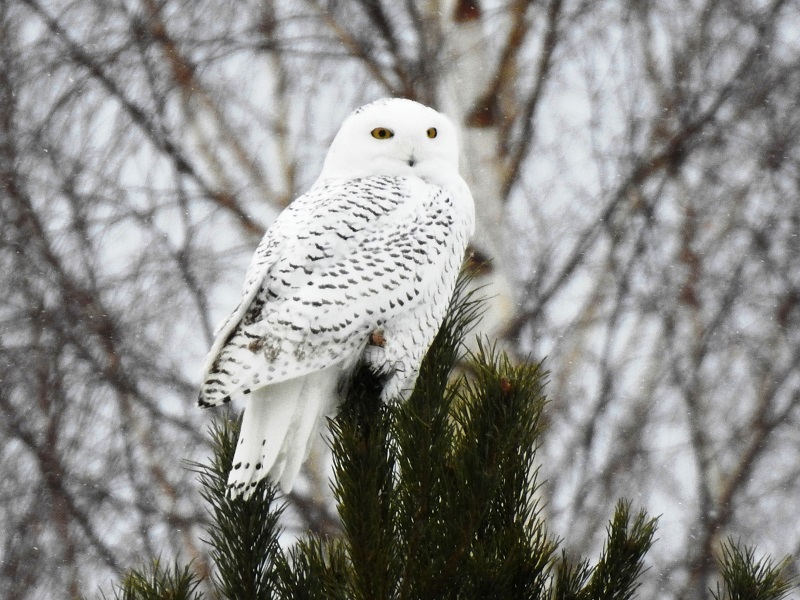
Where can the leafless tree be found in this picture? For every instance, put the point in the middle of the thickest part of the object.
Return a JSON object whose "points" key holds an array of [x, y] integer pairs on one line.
{"points": [[636, 168]]}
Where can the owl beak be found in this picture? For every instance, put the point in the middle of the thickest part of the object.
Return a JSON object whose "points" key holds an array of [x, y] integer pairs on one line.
{"points": [[412, 160]]}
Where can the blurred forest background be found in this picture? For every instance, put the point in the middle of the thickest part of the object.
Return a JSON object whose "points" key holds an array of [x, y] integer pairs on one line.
{"points": [[636, 169]]}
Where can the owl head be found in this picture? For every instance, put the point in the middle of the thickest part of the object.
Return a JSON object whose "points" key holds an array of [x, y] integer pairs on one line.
{"points": [[395, 137]]}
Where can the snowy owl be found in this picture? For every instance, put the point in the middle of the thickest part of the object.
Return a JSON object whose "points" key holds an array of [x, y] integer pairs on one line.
{"points": [[361, 267]]}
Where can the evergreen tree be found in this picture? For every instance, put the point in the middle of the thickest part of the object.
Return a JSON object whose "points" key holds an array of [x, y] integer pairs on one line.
{"points": [[437, 500]]}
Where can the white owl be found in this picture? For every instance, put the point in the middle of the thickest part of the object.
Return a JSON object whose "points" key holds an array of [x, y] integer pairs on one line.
{"points": [[361, 267]]}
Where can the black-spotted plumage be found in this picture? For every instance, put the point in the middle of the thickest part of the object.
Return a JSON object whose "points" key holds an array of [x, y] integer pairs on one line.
{"points": [[374, 246]]}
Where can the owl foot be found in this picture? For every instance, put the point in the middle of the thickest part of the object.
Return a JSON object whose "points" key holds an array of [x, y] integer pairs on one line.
{"points": [[376, 338], [399, 386], [375, 353]]}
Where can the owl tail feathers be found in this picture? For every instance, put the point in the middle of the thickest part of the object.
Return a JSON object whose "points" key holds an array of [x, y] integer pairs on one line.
{"points": [[279, 424]]}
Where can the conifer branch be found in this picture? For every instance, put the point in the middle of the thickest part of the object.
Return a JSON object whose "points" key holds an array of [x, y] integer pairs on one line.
{"points": [[437, 499], [315, 570], [616, 575], [745, 578], [363, 465], [424, 436], [570, 579], [243, 534], [155, 583]]}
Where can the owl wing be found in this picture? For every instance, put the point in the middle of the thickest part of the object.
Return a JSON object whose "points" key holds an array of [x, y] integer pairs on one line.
{"points": [[337, 264]]}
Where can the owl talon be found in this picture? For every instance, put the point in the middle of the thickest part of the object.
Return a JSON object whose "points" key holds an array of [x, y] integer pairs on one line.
{"points": [[376, 338]]}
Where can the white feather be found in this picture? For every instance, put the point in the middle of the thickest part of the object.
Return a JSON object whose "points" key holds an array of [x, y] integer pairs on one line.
{"points": [[278, 429], [266, 423], [317, 401]]}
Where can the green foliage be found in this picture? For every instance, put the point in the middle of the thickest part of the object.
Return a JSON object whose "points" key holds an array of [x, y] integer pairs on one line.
{"points": [[437, 499], [437, 494], [157, 584], [315, 571], [570, 579], [363, 465], [615, 576], [243, 534], [745, 578]]}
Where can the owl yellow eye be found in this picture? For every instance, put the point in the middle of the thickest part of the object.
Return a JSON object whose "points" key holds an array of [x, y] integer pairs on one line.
{"points": [[381, 133], [432, 133]]}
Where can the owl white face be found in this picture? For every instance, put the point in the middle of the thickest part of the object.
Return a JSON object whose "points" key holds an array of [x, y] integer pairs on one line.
{"points": [[394, 137]]}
